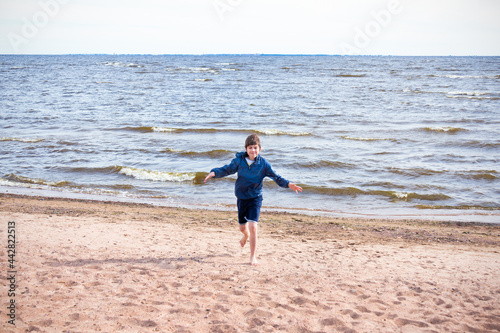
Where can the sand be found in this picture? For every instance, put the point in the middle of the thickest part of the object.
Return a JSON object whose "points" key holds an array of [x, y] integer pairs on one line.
{"points": [[86, 266]]}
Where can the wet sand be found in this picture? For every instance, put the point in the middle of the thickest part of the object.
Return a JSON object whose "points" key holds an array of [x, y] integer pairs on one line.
{"points": [[88, 266]]}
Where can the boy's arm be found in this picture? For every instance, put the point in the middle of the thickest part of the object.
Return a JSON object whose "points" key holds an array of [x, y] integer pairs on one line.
{"points": [[224, 171]]}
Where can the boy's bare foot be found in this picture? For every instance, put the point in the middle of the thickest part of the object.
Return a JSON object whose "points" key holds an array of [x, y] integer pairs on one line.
{"points": [[253, 262], [243, 240]]}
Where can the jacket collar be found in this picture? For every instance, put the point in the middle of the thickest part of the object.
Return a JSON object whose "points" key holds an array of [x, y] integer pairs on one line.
{"points": [[244, 154]]}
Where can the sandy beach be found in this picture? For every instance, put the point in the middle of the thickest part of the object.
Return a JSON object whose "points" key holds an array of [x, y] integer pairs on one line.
{"points": [[89, 266]]}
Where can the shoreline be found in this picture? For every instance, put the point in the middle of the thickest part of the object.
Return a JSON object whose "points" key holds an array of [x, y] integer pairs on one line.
{"points": [[317, 226], [89, 266], [438, 215]]}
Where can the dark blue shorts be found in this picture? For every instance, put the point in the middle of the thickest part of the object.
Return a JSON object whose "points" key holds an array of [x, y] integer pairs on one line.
{"points": [[249, 209]]}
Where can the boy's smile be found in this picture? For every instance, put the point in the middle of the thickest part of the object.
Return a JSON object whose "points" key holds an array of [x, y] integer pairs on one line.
{"points": [[253, 151]]}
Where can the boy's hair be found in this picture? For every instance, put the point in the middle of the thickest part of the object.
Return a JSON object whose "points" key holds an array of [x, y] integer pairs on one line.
{"points": [[252, 140]]}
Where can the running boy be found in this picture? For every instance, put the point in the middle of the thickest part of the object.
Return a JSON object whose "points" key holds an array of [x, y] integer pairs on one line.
{"points": [[251, 169]]}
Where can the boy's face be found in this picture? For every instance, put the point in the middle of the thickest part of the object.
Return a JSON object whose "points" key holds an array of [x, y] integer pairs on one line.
{"points": [[253, 151]]}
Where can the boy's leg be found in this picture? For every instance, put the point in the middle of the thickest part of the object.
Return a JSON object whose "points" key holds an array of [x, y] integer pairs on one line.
{"points": [[253, 228], [253, 219], [245, 231], [242, 208], [248, 217]]}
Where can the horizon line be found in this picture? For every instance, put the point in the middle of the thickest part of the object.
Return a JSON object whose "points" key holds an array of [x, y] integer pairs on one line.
{"points": [[238, 54]]}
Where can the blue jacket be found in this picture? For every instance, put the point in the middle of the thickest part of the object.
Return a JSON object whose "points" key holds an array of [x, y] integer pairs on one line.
{"points": [[250, 178]]}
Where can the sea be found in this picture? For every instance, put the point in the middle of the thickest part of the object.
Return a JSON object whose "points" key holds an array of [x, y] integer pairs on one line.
{"points": [[364, 136]]}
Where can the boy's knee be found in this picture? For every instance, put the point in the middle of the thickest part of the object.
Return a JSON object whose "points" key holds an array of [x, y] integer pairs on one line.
{"points": [[252, 225]]}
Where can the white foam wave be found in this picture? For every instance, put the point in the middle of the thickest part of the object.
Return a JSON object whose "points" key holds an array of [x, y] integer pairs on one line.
{"points": [[456, 94], [469, 76], [445, 129], [27, 140], [401, 195], [470, 95], [5, 182], [164, 129], [50, 186], [120, 64], [21, 181], [467, 93], [199, 69], [365, 139], [278, 132], [162, 176], [193, 70]]}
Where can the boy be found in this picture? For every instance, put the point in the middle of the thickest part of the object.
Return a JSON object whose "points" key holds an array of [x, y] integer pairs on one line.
{"points": [[251, 169]]}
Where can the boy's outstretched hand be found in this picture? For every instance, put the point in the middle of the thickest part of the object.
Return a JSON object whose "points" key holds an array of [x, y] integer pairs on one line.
{"points": [[210, 175], [294, 187]]}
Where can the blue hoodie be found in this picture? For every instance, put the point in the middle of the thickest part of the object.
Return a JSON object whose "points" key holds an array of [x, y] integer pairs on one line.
{"points": [[250, 178]]}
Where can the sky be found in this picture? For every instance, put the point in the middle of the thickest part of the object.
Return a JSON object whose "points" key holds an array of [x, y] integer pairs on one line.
{"points": [[345, 27]]}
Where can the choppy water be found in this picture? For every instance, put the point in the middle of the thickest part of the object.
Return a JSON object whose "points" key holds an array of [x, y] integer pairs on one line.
{"points": [[381, 135]]}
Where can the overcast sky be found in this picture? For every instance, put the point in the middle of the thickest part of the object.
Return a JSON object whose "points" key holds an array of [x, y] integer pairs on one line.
{"points": [[377, 27]]}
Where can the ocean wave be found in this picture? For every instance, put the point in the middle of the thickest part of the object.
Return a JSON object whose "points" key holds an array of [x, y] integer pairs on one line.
{"points": [[146, 129], [452, 76], [470, 174], [367, 139], [425, 197], [17, 180], [392, 195], [460, 207], [162, 176], [479, 174], [164, 129], [443, 129], [467, 93], [325, 164], [26, 140], [92, 170], [197, 70], [64, 186], [415, 172], [477, 144], [480, 95], [10, 183], [211, 153], [121, 64], [280, 132], [159, 129], [182, 130]]}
